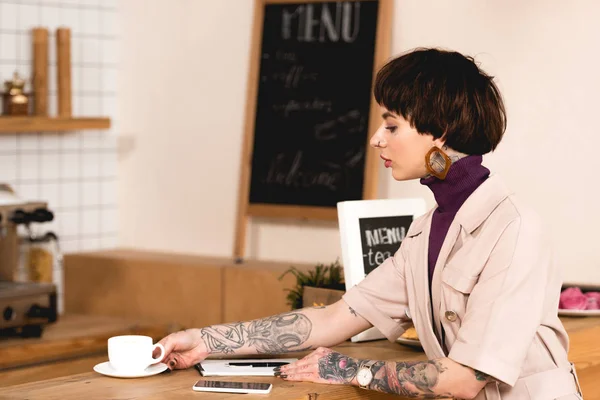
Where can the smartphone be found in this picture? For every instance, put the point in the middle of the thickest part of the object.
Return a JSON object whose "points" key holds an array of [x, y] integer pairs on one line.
{"points": [[232, 387]]}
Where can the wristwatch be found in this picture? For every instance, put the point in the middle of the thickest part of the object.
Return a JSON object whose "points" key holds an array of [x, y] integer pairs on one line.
{"points": [[364, 376]]}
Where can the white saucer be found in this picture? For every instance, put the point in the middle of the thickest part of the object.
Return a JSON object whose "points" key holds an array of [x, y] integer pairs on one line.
{"points": [[106, 369]]}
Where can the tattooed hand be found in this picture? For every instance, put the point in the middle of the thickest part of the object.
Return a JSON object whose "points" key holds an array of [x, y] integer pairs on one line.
{"points": [[184, 349], [321, 366]]}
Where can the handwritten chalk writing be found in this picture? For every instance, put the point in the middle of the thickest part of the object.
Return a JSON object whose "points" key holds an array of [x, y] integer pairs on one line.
{"points": [[354, 157], [381, 237], [294, 174], [294, 76], [385, 236], [376, 258], [291, 106], [343, 23], [286, 56], [348, 123], [310, 136]]}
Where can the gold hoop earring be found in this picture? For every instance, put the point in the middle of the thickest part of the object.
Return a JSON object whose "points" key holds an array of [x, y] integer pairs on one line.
{"points": [[437, 162]]}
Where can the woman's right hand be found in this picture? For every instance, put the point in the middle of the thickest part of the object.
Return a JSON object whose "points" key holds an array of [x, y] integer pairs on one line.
{"points": [[183, 349]]}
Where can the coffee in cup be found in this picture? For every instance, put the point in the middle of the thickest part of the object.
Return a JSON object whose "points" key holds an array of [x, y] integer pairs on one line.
{"points": [[132, 353]]}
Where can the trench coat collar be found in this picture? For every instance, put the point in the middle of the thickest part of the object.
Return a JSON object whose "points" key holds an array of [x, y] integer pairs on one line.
{"points": [[474, 210]]}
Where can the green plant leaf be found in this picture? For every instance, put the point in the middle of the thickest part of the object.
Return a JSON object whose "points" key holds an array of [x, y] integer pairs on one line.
{"points": [[325, 276]]}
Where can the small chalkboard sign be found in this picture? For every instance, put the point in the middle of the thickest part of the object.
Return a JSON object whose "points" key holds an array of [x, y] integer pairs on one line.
{"points": [[371, 231], [310, 108], [380, 238]]}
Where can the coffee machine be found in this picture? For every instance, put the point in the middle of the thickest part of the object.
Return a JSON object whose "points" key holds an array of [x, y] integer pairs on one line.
{"points": [[25, 307]]}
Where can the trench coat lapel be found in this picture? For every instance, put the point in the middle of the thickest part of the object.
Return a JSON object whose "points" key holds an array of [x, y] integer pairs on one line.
{"points": [[421, 307], [436, 284]]}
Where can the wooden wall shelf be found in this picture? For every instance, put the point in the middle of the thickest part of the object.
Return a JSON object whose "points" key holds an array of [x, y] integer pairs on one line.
{"points": [[47, 124]]}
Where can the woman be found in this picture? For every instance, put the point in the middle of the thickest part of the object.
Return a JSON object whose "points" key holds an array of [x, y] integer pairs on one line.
{"points": [[474, 275]]}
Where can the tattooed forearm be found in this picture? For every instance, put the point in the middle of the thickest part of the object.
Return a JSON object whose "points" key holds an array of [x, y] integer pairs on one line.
{"points": [[480, 376], [409, 379], [414, 379], [353, 312], [277, 334]]}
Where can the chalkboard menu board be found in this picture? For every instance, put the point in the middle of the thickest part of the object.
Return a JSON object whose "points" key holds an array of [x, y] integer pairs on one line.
{"points": [[314, 97], [311, 108], [381, 238]]}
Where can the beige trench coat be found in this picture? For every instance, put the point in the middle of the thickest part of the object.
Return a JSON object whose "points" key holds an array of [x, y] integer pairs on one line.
{"points": [[495, 293]]}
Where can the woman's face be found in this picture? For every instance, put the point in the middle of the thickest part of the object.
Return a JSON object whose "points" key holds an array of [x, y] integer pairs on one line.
{"points": [[401, 147]]}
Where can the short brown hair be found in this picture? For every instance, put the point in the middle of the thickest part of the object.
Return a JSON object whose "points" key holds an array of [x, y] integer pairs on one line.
{"points": [[444, 93]]}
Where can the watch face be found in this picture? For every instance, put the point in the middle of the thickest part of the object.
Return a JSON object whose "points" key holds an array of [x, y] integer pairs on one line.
{"points": [[364, 376]]}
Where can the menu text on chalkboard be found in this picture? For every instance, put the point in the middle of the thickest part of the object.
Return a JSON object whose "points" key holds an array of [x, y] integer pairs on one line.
{"points": [[381, 238]]}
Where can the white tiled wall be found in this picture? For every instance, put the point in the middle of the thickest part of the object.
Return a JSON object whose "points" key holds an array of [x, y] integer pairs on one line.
{"points": [[75, 171]]}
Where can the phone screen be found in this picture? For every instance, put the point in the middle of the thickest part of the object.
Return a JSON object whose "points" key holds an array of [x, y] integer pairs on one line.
{"points": [[233, 385]]}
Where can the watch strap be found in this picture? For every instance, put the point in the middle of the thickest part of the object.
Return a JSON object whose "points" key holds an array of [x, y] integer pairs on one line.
{"points": [[369, 364]]}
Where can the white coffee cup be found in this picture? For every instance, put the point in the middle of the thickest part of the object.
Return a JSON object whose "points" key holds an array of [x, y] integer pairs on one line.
{"points": [[132, 353]]}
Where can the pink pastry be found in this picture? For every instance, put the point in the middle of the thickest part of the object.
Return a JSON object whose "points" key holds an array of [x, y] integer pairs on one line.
{"points": [[573, 299], [593, 300]]}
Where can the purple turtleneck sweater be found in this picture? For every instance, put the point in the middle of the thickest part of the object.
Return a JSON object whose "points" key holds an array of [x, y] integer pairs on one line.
{"points": [[462, 179]]}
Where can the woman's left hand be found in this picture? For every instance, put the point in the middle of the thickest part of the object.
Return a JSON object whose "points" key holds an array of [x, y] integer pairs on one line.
{"points": [[321, 366]]}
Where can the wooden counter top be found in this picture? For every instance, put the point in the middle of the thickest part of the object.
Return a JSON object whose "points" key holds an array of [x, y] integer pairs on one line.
{"points": [[178, 384], [585, 352]]}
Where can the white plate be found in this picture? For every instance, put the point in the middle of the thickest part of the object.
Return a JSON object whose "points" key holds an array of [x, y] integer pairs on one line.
{"points": [[410, 342], [106, 369], [579, 313]]}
